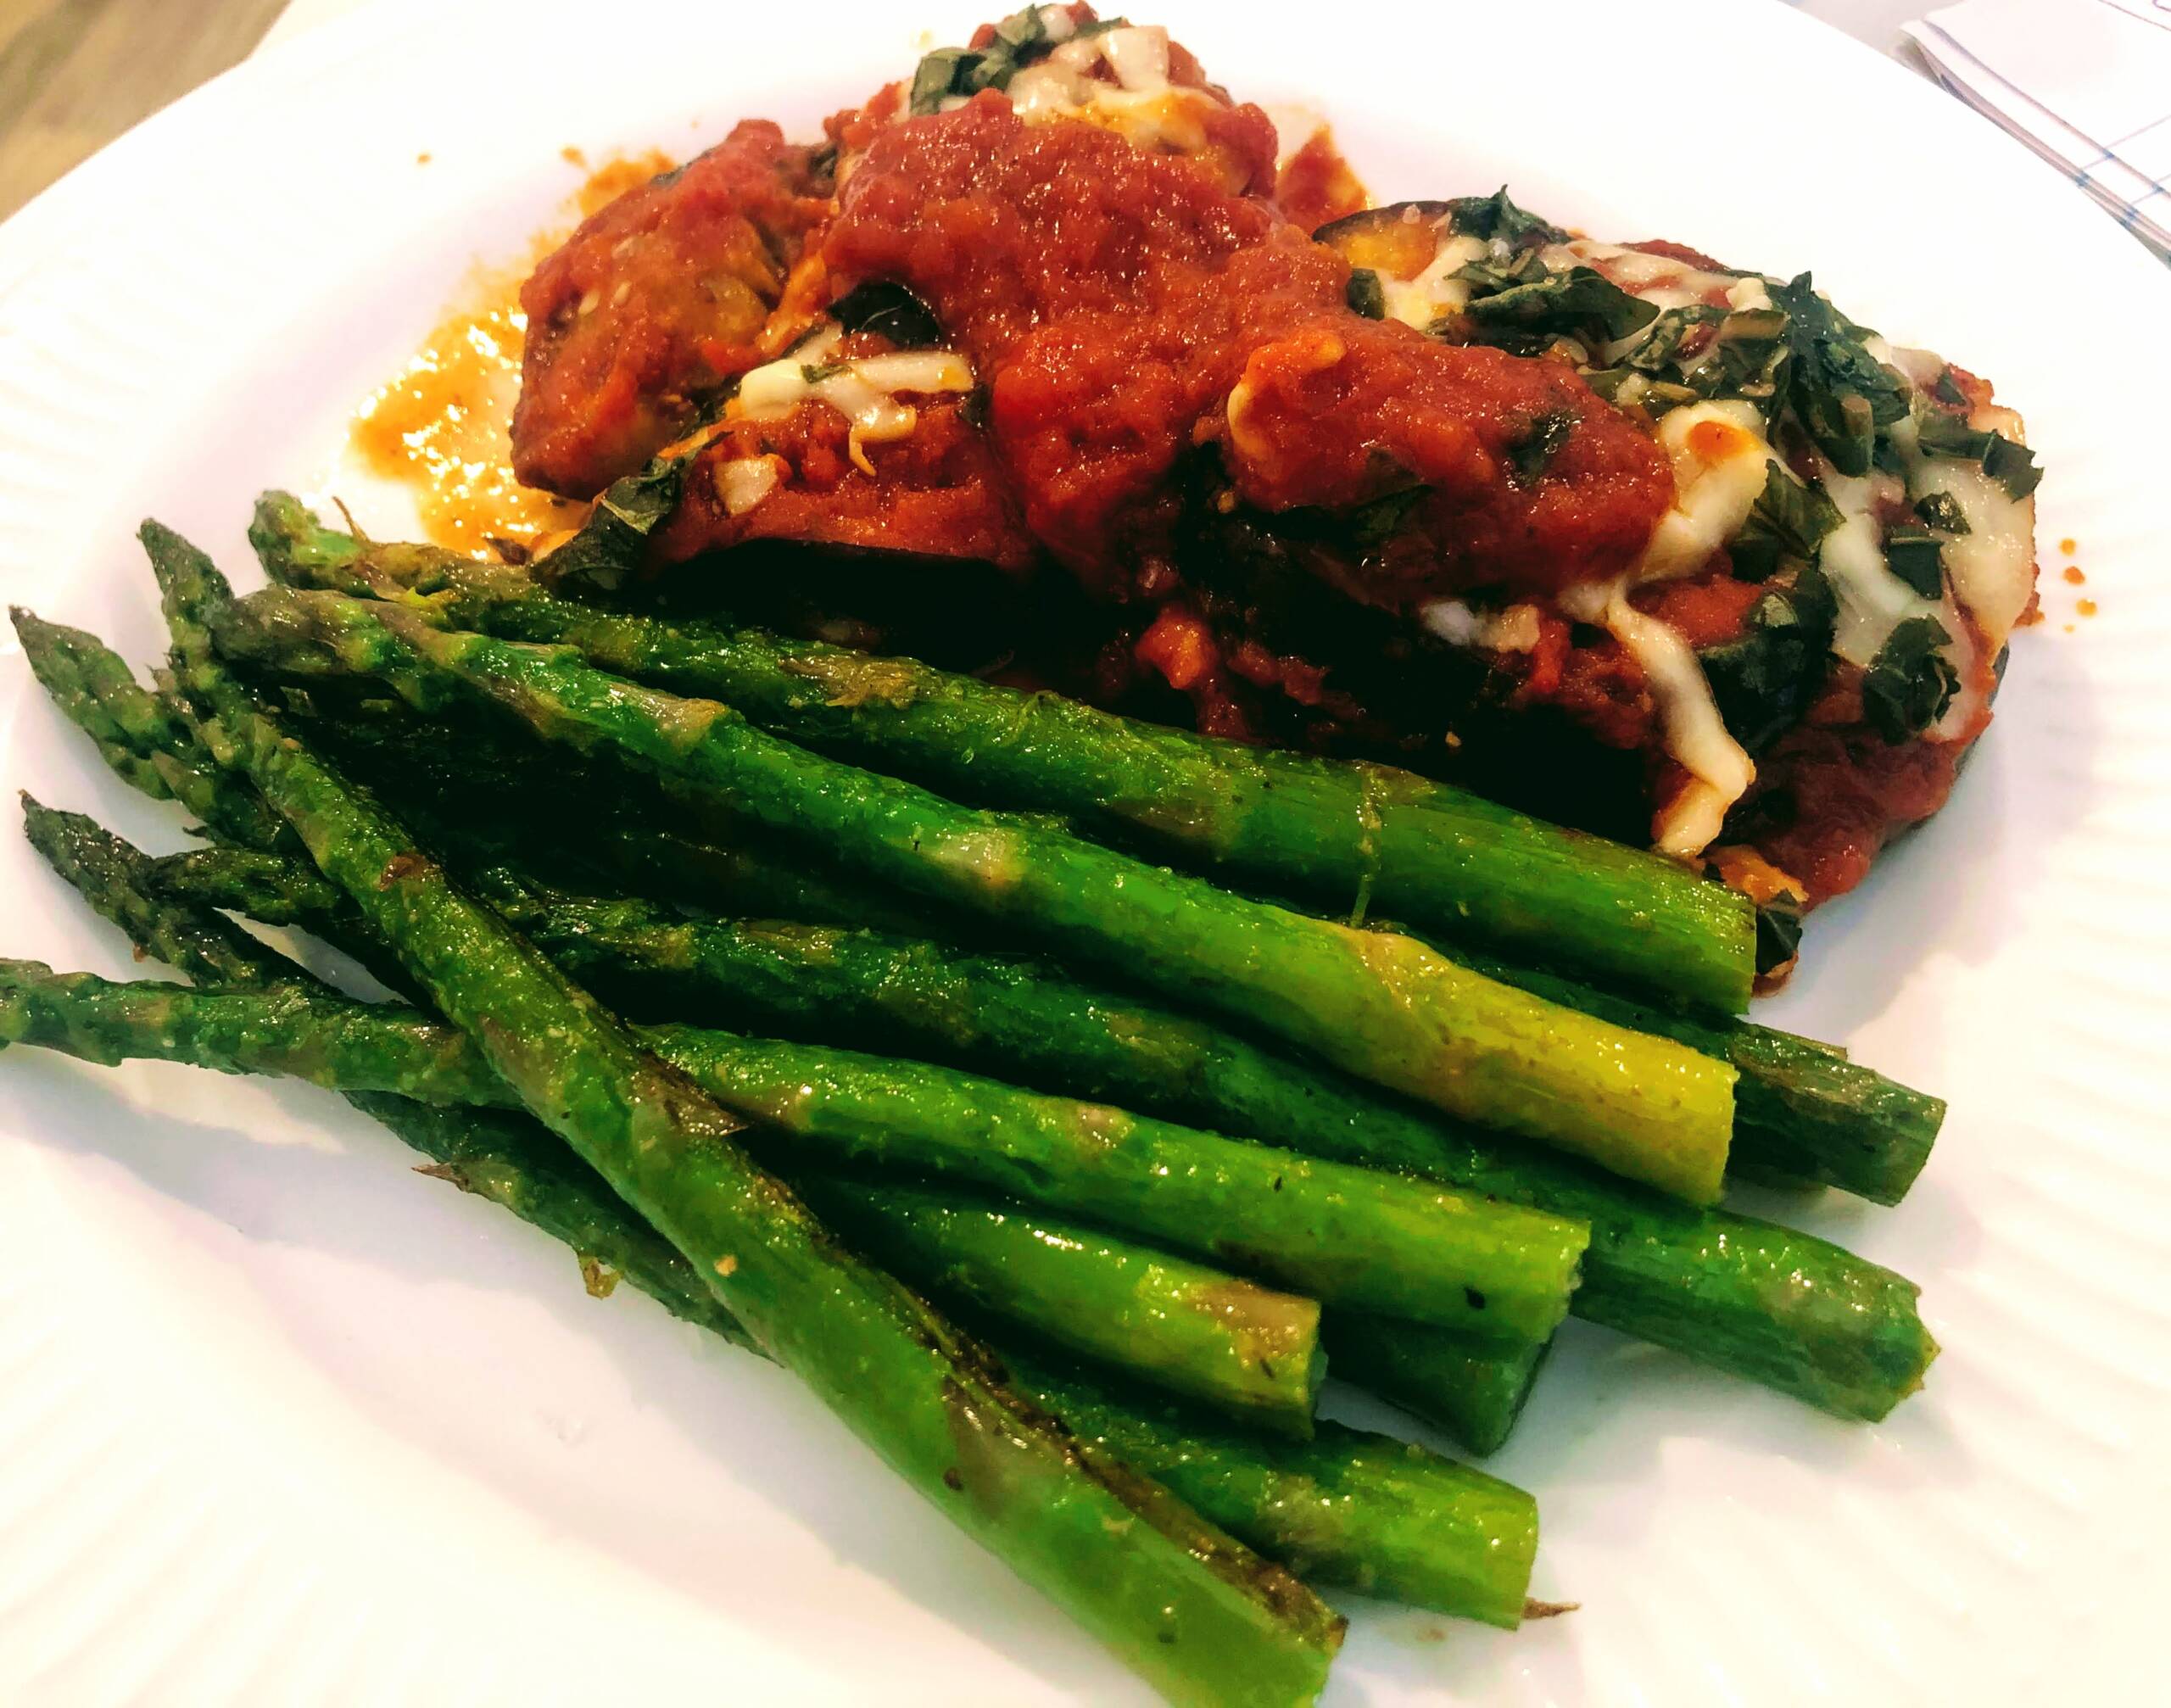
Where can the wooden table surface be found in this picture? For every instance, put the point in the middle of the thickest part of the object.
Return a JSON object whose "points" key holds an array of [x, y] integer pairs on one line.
{"points": [[74, 74]]}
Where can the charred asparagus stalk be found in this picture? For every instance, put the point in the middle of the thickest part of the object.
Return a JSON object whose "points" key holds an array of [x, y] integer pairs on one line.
{"points": [[141, 735], [1382, 1007], [1347, 1235], [1780, 1308], [1347, 1510], [1333, 833], [1198, 1614]]}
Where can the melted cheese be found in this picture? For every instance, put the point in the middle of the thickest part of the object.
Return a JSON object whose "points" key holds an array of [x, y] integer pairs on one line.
{"points": [[1696, 736], [1659, 280], [744, 482], [1435, 292], [1514, 629], [1134, 99], [1719, 454], [1873, 601], [865, 391], [1992, 565]]}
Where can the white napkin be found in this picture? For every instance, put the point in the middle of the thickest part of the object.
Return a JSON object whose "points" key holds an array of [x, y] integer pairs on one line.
{"points": [[2085, 83]]}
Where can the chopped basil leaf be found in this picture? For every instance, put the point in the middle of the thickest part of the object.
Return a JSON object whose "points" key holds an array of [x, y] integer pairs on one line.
{"points": [[941, 74], [813, 373], [1840, 393], [1789, 520], [885, 306], [1910, 681], [1667, 333], [2011, 464], [1778, 934], [1020, 39], [1374, 524], [1917, 556], [1366, 295], [1947, 389], [1529, 455], [1497, 216], [1941, 510], [1746, 355], [1615, 385], [1765, 680], [611, 543], [1489, 278], [1020, 31], [1564, 303], [2008, 462]]}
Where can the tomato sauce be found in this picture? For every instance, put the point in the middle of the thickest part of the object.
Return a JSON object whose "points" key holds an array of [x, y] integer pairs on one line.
{"points": [[660, 297], [1128, 310]]}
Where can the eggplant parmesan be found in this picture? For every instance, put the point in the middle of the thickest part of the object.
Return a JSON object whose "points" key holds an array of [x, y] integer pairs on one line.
{"points": [[1658, 546]]}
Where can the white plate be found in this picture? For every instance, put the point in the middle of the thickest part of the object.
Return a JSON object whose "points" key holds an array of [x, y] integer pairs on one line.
{"points": [[281, 1422]]}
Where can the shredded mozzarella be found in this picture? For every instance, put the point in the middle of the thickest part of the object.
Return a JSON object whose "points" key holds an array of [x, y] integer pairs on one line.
{"points": [[1659, 280], [1992, 564], [744, 482], [864, 390], [1514, 629], [1696, 736], [1420, 301], [1719, 454]]}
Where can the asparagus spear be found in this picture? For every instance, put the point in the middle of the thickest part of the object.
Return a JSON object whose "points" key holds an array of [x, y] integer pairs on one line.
{"points": [[1473, 1392], [1226, 1341], [141, 735], [1803, 1112], [1351, 1237], [1193, 1611], [1780, 1308], [1382, 1007], [1793, 1312], [1434, 1533], [1333, 832], [1238, 1348], [1351, 1510]]}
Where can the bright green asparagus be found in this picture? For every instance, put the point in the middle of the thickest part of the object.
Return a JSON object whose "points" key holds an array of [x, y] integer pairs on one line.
{"points": [[1243, 1350], [1350, 1237], [1802, 1111], [1227, 1342], [1383, 1007], [1469, 1391], [141, 735], [1780, 1308], [1196, 1612], [1347, 1510], [1336, 833]]}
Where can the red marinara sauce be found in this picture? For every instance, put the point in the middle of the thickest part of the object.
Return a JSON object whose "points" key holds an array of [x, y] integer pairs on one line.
{"points": [[1128, 309]]}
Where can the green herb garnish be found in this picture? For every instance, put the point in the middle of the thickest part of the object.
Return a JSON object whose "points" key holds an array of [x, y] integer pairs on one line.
{"points": [[1789, 520], [1663, 342], [1497, 217], [1917, 556], [1839, 392], [1530, 453], [1941, 510], [1579, 299], [1372, 524], [885, 306], [1020, 40], [1911, 683], [1366, 295], [1764, 680], [2008, 462]]}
